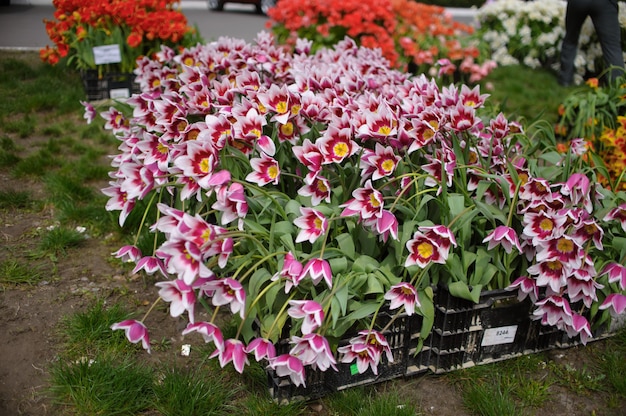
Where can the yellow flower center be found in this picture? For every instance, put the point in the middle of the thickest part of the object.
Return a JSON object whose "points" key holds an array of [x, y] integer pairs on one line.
{"points": [[565, 246], [387, 165], [384, 130], [406, 291], [162, 149], [193, 135], [373, 201], [318, 223], [425, 250], [204, 165], [555, 265], [546, 224], [340, 149], [287, 128], [281, 107], [206, 235], [272, 172], [321, 186]]}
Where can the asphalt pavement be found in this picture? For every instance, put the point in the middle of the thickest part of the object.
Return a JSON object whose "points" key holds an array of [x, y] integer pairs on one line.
{"points": [[22, 26]]}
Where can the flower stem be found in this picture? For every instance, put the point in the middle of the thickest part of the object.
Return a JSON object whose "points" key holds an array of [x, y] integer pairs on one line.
{"points": [[280, 312], [157, 300], [253, 304]]}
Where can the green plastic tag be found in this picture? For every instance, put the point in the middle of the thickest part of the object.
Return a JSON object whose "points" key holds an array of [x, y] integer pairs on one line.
{"points": [[354, 369]]}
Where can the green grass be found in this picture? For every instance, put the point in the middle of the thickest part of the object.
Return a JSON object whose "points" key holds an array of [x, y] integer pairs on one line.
{"points": [[89, 332], [518, 98], [29, 86], [613, 364], [13, 272], [8, 150], [490, 398], [36, 165], [189, 392], [103, 385], [56, 241], [12, 199], [367, 401]]}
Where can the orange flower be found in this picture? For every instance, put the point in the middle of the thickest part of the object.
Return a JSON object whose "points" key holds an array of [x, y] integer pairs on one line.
{"points": [[134, 39], [593, 83], [81, 33], [562, 147], [560, 130]]}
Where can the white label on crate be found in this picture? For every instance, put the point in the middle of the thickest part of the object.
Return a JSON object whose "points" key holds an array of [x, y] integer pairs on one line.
{"points": [[107, 54], [119, 93], [497, 336]]}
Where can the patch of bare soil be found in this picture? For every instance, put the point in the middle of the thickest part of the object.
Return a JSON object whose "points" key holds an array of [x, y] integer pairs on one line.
{"points": [[30, 317]]}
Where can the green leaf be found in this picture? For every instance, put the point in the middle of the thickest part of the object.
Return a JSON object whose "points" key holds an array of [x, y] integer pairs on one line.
{"points": [[338, 265], [287, 240], [270, 323], [365, 264], [553, 158], [456, 203], [406, 233], [247, 332], [462, 290], [484, 270], [283, 227], [341, 296], [374, 285], [455, 267], [346, 245], [270, 296], [257, 280], [362, 310], [293, 208], [427, 310], [255, 227], [620, 244]]}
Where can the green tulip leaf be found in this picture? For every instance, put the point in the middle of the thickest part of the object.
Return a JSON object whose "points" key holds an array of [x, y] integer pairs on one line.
{"points": [[292, 208], [462, 290], [271, 327], [281, 228], [362, 310], [338, 265], [365, 264], [346, 245], [374, 285], [287, 240], [260, 277]]}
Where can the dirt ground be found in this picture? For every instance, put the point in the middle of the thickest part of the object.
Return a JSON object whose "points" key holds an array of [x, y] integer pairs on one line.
{"points": [[30, 318]]}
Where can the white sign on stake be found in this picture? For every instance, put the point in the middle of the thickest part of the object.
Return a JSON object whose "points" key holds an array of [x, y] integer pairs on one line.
{"points": [[107, 54]]}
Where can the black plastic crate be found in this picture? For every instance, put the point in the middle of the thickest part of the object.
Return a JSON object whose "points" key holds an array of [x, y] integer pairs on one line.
{"points": [[109, 85], [419, 360], [398, 336], [466, 333], [319, 384], [283, 391]]}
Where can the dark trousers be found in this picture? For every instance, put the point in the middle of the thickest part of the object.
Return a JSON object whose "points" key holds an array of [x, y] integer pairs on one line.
{"points": [[604, 15]]}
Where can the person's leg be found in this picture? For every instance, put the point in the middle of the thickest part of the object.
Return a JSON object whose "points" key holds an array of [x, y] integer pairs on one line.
{"points": [[575, 16], [606, 23]]}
